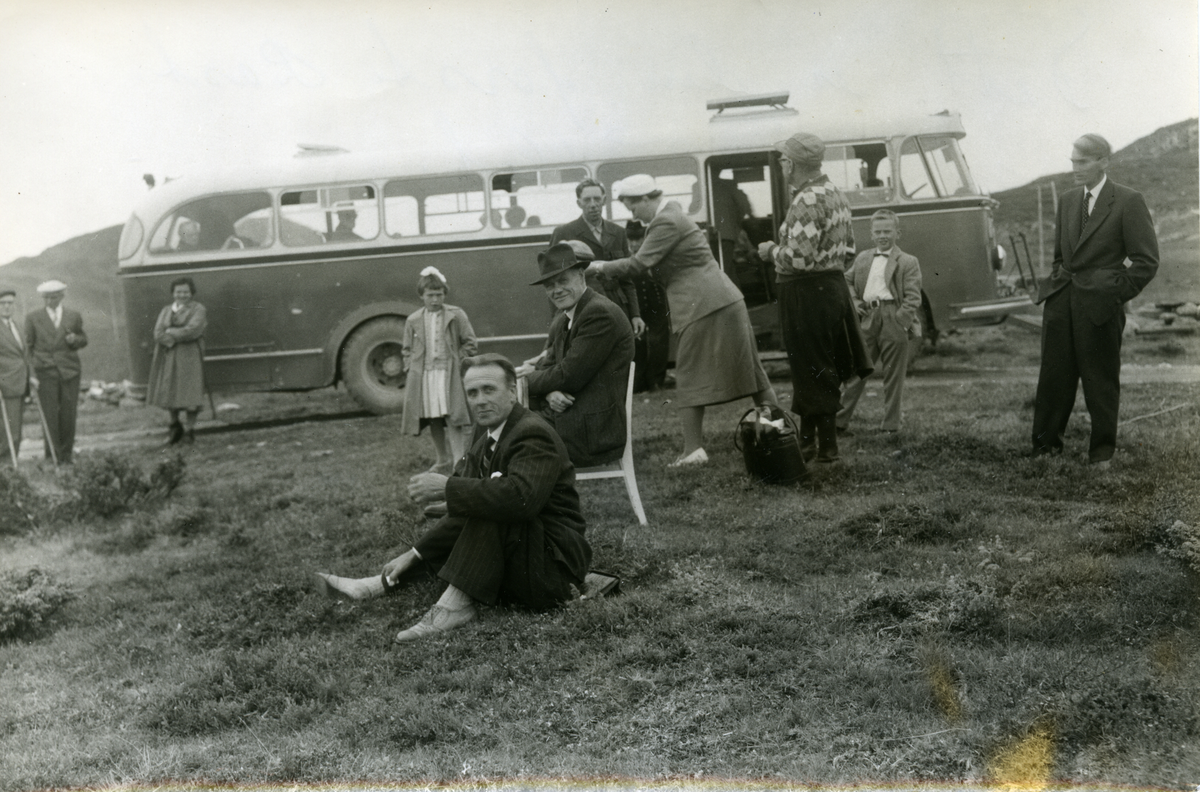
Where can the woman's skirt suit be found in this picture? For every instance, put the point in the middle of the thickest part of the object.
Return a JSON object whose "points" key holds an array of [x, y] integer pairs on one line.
{"points": [[716, 358]]}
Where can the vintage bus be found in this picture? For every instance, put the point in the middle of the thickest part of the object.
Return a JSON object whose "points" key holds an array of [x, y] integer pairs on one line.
{"points": [[308, 266]]}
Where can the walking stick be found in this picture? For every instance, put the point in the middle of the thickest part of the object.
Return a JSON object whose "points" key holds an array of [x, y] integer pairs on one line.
{"points": [[12, 449], [46, 428]]}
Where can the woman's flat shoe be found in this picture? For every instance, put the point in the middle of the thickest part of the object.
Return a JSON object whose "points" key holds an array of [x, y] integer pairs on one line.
{"points": [[697, 457]]}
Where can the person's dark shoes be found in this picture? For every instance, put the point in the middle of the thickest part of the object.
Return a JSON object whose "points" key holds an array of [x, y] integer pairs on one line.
{"points": [[844, 431], [174, 433], [189, 437], [438, 620], [827, 439], [808, 439]]}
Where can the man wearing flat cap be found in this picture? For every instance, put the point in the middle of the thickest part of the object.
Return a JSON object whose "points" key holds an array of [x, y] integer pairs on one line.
{"points": [[54, 335], [579, 384], [816, 314], [15, 375]]}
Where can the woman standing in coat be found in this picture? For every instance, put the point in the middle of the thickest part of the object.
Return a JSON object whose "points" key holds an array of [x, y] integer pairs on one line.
{"points": [[436, 339], [177, 370], [716, 359]]}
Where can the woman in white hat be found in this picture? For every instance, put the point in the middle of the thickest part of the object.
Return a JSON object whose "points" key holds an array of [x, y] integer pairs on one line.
{"points": [[716, 360]]}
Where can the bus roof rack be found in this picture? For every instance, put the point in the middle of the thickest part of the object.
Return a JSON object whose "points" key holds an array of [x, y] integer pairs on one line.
{"points": [[775, 100], [757, 105], [318, 150]]}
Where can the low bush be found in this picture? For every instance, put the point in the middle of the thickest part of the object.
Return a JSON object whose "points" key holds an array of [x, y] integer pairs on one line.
{"points": [[26, 600], [21, 508], [109, 483]]}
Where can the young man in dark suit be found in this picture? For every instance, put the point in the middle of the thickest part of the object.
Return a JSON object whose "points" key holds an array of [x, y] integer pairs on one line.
{"points": [[608, 242], [54, 335], [514, 532], [1099, 228], [579, 384]]}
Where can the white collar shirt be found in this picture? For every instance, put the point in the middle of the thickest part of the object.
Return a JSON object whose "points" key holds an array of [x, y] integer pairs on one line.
{"points": [[1091, 195], [55, 315], [877, 288]]}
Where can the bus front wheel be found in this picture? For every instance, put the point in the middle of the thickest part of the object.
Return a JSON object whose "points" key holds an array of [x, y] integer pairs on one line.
{"points": [[373, 365]]}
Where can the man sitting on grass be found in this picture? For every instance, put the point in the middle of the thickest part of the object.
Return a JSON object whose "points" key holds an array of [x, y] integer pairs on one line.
{"points": [[513, 531]]}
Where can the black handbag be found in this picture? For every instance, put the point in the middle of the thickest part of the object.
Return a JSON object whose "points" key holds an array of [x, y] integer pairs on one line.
{"points": [[772, 455]]}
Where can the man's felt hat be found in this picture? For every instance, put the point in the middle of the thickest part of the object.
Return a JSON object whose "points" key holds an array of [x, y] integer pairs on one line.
{"points": [[555, 261], [51, 286], [802, 147]]}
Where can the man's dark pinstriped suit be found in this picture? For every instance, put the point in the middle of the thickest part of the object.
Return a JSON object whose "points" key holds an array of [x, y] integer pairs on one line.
{"points": [[514, 531]]}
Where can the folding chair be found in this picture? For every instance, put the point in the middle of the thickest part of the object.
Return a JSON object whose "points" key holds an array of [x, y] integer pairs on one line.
{"points": [[623, 467]]}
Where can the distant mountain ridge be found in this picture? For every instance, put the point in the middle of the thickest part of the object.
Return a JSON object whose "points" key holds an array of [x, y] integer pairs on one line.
{"points": [[1163, 166]]}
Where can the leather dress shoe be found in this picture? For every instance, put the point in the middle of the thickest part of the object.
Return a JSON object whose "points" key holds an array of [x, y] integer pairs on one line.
{"points": [[438, 620]]}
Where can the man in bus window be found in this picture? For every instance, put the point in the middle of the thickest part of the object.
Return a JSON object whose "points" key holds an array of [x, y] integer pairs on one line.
{"points": [[579, 384], [345, 227], [189, 235], [608, 243], [514, 532], [1099, 227], [885, 285]]}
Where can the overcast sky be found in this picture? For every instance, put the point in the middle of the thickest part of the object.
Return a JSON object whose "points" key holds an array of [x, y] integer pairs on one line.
{"points": [[94, 94]]}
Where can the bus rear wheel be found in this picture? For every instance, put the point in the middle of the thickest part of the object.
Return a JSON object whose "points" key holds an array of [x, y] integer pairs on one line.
{"points": [[373, 365]]}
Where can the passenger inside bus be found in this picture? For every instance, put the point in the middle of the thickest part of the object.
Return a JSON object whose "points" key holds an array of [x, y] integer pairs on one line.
{"points": [[189, 235], [345, 227]]}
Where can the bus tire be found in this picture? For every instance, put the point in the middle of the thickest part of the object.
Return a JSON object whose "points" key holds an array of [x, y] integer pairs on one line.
{"points": [[372, 365]]}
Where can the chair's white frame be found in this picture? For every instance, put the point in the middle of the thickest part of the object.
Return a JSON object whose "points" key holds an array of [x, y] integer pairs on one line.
{"points": [[623, 467]]}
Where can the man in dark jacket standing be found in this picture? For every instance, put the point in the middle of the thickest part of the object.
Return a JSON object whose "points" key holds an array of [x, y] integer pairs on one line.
{"points": [[608, 242], [54, 335], [513, 533], [1099, 227], [14, 377]]}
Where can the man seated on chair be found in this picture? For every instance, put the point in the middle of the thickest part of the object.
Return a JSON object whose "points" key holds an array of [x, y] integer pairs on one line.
{"points": [[514, 533], [579, 384]]}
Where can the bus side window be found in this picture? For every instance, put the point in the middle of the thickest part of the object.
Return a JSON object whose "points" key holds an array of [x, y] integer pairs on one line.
{"points": [[235, 221], [677, 177], [947, 166], [436, 205], [328, 214], [860, 171], [528, 199]]}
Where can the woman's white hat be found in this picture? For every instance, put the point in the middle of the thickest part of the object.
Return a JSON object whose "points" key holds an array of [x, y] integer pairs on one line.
{"points": [[635, 186]]}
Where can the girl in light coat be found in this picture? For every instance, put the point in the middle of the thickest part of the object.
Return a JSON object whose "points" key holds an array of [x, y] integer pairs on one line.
{"points": [[436, 339]]}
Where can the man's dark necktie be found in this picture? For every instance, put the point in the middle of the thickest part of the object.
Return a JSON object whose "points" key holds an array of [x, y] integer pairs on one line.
{"points": [[1086, 214], [488, 451]]}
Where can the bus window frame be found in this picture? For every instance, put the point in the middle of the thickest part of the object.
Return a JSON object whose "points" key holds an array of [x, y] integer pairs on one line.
{"points": [[279, 192], [172, 216], [424, 235]]}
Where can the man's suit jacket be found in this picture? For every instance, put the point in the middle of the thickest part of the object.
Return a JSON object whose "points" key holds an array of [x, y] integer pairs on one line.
{"points": [[903, 278], [14, 364], [589, 361], [530, 478], [1119, 228], [47, 344], [613, 244]]}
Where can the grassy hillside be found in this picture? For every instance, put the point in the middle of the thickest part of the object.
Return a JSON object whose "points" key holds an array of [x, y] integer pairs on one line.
{"points": [[88, 265]]}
